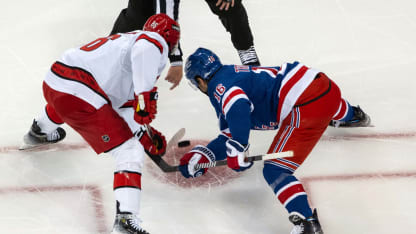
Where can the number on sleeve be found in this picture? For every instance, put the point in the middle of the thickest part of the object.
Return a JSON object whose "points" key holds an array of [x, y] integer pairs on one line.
{"points": [[99, 42], [269, 70]]}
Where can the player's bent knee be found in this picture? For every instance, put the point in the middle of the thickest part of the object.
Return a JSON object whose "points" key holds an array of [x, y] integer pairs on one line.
{"points": [[129, 156]]}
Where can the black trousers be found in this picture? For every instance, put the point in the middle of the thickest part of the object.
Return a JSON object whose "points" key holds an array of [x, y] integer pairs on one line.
{"points": [[134, 16], [235, 21]]}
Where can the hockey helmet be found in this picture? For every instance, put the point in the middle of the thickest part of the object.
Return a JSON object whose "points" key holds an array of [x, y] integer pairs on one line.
{"points": [[202, 63], [165, 26]]}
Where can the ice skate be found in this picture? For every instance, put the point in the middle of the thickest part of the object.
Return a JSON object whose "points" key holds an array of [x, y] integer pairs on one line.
{"points": [[127, 223], [360, 119], [35, 137], [306, 226]]}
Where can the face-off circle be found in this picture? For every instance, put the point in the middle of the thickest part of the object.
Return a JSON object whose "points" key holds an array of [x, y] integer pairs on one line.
{"points": [[215, 176]]}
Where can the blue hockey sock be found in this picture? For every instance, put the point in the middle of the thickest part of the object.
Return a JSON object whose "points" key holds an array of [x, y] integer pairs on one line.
{"points": [[289, 191]]}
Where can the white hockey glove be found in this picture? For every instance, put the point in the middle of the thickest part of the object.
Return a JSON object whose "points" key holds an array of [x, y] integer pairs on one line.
{"points": [[236, 154]]}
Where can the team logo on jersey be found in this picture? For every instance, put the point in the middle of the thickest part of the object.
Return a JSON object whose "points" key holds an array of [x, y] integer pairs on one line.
{"points": [[105, 138], [211, 59]]}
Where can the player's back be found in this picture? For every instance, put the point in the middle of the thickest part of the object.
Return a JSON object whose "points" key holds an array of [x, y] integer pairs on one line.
{"points": [[108, 59], [259, 84], [271, 91]]}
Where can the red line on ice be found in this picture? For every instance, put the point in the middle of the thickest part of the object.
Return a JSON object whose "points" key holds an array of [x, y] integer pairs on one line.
{"points": [[94, 191]]}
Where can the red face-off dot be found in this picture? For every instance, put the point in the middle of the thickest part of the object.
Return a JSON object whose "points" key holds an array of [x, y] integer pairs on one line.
{"points": [[215, 176]]}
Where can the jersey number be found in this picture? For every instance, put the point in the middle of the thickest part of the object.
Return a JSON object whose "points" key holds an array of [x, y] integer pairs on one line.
{"points": [[271, 71], [99, 42]]}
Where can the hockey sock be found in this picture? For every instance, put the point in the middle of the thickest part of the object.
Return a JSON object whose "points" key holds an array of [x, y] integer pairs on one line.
{"points": [[345, 111], [127, 175], [48, 121], [288, 190]]}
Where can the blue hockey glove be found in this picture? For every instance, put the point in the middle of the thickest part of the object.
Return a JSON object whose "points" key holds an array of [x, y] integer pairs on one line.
{"points": [[236, 153], [199, 154]]}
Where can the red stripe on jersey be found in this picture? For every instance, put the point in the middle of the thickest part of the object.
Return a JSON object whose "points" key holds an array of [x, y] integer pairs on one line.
{"points": [[230, 96], [288, 86], [290, 192], [128, 104], [79, 75], [127, 179], [342, 110], [152, 40]]}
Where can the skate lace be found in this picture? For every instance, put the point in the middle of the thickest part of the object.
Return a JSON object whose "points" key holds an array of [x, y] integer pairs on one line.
{"points": [[53, 136], [134, 222]]}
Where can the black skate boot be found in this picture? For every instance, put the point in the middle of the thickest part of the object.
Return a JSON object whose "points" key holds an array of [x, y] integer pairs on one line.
{"points": [[249, 57], [35, 137], [127, 223], [360, 119], [306, 226]]}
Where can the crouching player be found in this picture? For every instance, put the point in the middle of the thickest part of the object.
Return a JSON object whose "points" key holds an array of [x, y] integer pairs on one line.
{"points": [[105, 90], [300, 101]]}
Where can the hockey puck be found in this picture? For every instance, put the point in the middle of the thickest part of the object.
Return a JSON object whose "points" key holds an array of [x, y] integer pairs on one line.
{"points": [[184, 143]]}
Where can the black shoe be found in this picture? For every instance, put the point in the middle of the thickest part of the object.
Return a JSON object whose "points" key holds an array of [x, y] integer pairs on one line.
{"points": [[249, 57], [35, 137], [309, 225], [127, 223], [360, 119]]}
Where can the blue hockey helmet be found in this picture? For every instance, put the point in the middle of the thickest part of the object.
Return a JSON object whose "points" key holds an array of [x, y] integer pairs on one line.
{"points": [[203, 63]]}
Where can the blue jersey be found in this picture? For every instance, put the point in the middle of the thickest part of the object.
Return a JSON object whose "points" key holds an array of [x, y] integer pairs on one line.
{"points": [[259, 98]]}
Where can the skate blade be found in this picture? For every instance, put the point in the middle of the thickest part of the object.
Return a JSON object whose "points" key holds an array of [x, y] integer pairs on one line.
{"points": [[30, 147]]}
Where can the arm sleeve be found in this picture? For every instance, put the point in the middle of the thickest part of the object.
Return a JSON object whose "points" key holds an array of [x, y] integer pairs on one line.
{"points": [[175, 57], [235, 125], [171, 8], [239, 122], [217, 146], [145, 60]]}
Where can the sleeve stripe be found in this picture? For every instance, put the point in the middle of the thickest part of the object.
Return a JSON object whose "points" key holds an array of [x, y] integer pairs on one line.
{"points": [[226, 132], [230, 97], [151, 40]]}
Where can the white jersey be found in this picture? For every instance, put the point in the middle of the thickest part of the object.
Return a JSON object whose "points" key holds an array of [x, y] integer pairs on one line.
{"points": [[112, 69]]}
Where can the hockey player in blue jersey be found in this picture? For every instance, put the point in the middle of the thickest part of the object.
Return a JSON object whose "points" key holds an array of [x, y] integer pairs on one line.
{"points": [[299, 101]]}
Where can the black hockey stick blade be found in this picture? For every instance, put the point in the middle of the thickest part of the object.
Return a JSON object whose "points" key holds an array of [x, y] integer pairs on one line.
{"points": [[162, 164]]}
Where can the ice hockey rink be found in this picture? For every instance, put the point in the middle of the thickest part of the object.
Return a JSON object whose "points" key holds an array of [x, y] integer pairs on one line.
{"points": [[362, 181]]}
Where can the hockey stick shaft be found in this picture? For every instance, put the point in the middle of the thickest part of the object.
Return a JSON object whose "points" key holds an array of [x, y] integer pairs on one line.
{"points": [[166, 167], [248, 159]]}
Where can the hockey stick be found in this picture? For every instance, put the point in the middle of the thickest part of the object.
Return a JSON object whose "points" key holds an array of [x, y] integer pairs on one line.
{"points": [[248, 159], [166, 167], [157, 159]]}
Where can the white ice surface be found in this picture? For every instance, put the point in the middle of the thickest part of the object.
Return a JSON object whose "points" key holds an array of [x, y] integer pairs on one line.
{"points": [[362, 181]]}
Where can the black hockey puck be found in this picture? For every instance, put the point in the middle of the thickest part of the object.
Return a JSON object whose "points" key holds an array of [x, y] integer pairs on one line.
{"points": [[184, 143]]}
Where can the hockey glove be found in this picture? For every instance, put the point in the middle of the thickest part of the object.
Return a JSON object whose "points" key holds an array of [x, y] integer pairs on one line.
{"points": [[236, 153], [199, 154], [155, 145], [145, 105]]}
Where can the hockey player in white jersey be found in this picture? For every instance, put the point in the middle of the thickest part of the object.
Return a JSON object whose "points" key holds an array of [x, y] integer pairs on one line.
{"points": [[105, 90]]}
